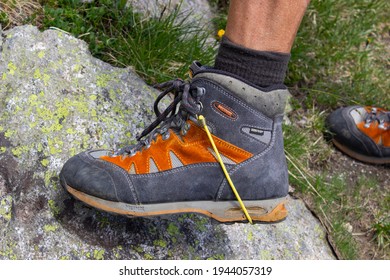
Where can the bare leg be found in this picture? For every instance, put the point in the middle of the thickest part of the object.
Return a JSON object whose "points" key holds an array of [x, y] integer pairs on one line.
{"points": [[266, 25], [258, 39]]}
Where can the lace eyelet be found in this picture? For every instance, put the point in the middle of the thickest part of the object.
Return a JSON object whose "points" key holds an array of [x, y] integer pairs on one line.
{"points": [[132, 153], [166, 136], [185, 129], [163, 130], [200, 106]]}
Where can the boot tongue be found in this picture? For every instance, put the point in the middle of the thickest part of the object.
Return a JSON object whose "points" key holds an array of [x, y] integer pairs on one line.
{"points": [[195, 68]]}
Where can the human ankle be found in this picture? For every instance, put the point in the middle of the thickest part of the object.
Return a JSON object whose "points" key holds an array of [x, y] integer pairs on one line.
{"points": [[262, 68]]}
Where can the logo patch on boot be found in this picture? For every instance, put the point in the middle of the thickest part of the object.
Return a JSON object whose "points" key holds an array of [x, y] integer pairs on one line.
{"points": [[261, 135], [224, 110]]}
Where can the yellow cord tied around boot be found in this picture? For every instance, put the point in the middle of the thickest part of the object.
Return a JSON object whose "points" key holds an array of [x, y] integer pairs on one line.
{"points": [[203, 122]]}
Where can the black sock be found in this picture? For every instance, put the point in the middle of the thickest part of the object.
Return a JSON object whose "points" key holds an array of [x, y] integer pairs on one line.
{"points": [[263, 68]]}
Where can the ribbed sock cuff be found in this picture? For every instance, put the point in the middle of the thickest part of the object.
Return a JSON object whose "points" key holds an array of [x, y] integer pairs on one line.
{"points": [[262, 68]]}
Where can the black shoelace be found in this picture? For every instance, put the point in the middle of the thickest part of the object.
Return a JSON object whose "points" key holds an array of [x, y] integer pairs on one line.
{"points": [[184, 94]]}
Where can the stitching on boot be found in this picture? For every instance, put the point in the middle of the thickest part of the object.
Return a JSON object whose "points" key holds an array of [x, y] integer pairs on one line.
{"points": [[220, 110], [254, 138], [228, 95], [179, 169], [126, 175]]}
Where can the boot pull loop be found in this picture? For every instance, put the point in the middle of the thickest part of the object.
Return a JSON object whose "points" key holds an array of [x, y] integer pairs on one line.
{"points": [[202, 120]]}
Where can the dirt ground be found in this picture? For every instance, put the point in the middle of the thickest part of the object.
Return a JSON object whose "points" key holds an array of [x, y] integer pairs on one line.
{"points": [[365, 203]]}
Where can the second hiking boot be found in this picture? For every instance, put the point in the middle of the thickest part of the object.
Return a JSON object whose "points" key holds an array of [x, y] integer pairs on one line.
{"points": [[362, 132], [176, 168]]}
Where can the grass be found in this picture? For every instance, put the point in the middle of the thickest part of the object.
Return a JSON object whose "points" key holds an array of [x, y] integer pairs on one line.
{"points": [[338, 55], [17, 12], [158, 48], [339, 58], [340, 195]]}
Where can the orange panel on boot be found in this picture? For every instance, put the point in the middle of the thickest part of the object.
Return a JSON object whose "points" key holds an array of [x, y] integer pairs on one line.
{"points": [[191, 149]]}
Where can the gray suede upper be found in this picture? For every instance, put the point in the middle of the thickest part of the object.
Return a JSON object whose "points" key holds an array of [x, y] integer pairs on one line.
{"points": [[257, 131]]}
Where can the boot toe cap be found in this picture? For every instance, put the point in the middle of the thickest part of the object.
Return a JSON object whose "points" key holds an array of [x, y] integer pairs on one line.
{"points": [[83, 174]]}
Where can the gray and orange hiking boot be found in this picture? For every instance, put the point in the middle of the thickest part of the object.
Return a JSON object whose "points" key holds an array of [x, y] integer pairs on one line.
{"points": [[361, 132], [174, 168]]}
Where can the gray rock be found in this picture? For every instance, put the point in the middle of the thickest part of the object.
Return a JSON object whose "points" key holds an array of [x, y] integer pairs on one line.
{"points": [[57, 100], [1, 37], [198, 12]]}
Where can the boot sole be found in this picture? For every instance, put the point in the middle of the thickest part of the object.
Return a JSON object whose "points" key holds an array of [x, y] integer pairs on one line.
{"points": [[363, 158], [261, 211]]}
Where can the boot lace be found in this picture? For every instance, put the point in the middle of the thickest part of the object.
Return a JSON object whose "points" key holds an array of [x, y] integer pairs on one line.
{"points": [[186, 104]]}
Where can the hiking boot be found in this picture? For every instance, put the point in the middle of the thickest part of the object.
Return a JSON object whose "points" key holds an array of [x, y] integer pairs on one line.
{"points": [[175, 169], [362, 133]]}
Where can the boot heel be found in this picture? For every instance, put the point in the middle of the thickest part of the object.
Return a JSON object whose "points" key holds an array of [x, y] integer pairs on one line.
{"points": [[262, 211]]}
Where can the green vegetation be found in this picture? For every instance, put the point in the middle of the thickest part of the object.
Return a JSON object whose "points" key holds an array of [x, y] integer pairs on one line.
{"points": [[158, 48], [16, 12], [339, 58]]}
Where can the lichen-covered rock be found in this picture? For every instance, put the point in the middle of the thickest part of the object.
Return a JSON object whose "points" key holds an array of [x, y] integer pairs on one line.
{"points": [[57, 100]]}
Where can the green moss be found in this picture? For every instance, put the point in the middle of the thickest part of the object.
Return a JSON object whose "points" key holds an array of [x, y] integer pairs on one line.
{"points": [[45, 162], [70, 130], [55, 145], [160, 243], [46, 79], [250, 235], [50, 228], [53, 207], [138, 249], [102, 80], [200, 222], [103, 221], [266, 255], [117, 251], [217, 257], [48, 177], [11, 68], [9, 133], [6, 208], [172, 229], [9, 251], [98, 254], [19, 151], [93, 113], [41, 54], [77, 68], [148, 257], [39, 147], [37, 74]]}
